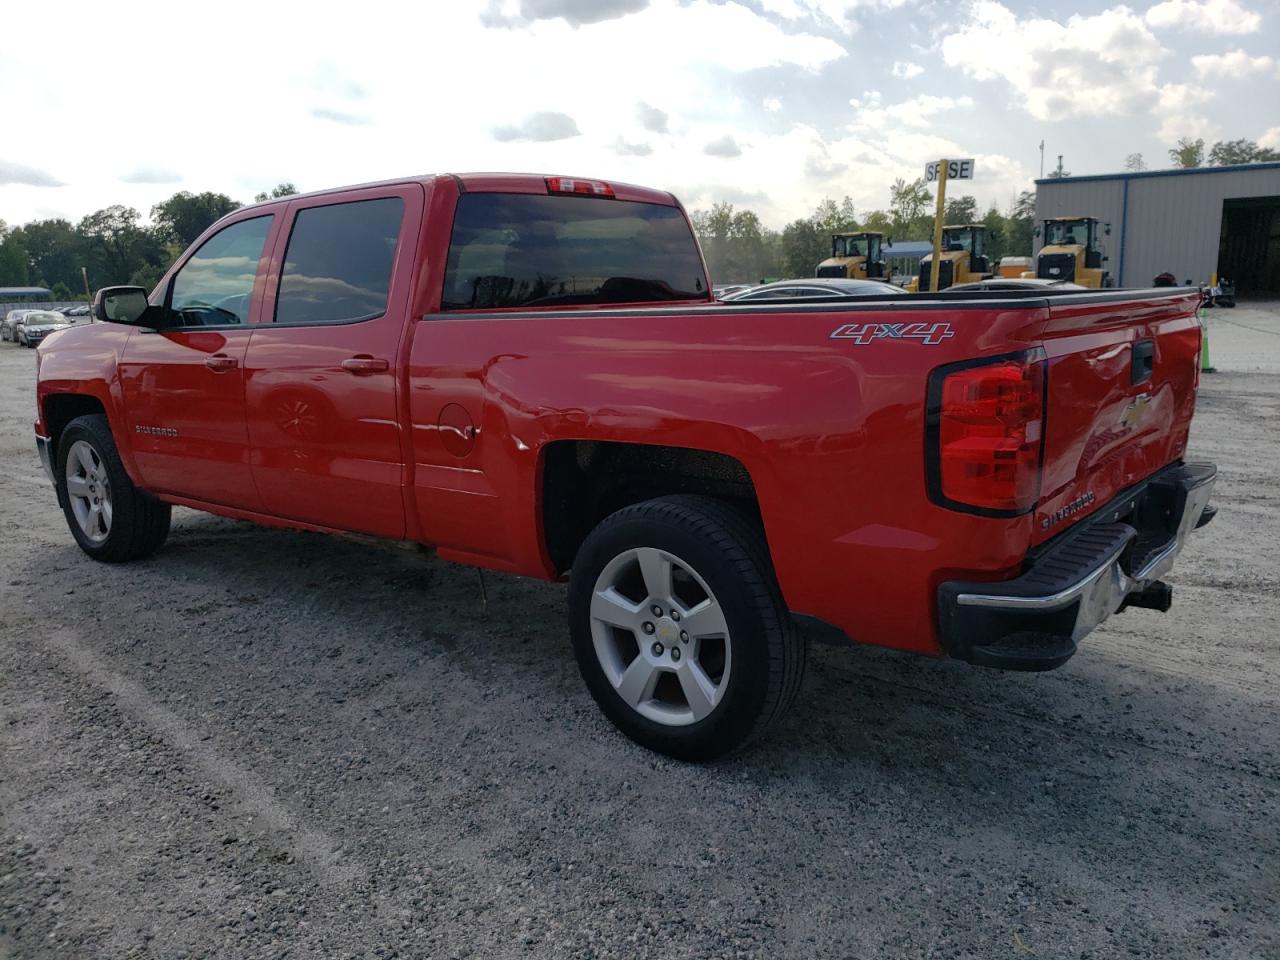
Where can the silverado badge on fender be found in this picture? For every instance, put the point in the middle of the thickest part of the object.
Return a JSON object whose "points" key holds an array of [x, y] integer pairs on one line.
{"points": [[931, 334]]}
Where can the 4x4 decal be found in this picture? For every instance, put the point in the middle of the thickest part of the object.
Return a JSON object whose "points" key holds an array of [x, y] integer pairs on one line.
{"points": [[930, 334]]}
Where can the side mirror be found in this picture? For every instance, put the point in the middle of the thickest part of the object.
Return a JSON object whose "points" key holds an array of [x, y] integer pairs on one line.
{"points": [[121, 304]]}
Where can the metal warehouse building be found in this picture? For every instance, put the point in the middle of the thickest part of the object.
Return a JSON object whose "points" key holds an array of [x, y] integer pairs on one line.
{"points": [[1191, 223]]}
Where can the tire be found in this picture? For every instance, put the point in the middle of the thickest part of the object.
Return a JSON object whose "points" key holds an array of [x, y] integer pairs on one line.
{"points": [[721, 581], [136, 524]]}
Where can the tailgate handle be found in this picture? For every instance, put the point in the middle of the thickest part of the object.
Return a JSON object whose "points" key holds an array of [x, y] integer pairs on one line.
{"points": [[1144, 360]]}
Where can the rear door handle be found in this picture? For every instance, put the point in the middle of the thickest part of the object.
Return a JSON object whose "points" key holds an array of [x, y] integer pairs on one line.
{"points": [[221, 363], [364, 364]]}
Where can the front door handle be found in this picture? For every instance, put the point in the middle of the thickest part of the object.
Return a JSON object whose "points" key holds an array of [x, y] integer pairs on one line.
{"points": [[364, 364], [221, 363]]}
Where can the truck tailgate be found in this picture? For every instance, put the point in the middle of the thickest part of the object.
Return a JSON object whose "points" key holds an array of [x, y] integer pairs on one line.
{"points": [[1121, 386]]}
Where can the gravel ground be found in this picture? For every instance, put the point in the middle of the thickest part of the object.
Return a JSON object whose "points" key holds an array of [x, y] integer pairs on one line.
{"points": [[267, 744]]}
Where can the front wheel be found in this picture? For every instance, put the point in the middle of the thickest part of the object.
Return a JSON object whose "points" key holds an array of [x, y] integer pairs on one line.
{"points": [[110, 518], [679, 627]]}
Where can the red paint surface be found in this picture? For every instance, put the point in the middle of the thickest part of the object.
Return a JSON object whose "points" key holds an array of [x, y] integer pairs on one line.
{"points": [[446, 446]]}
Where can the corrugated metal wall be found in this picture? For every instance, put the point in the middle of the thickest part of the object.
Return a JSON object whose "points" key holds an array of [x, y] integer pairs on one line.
{"points": [[1168, 223]]}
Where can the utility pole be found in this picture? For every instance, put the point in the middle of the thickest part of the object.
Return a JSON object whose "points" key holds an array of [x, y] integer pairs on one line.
{"points": [[84, 273], [1041, 159], [936, 265]]}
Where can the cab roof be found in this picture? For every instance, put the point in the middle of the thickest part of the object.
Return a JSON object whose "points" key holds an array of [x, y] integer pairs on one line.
{"points": [[532, 183]]}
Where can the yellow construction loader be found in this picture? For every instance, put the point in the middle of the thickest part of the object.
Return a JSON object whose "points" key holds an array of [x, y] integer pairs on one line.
{"points": [[1072, 252], [964, 259], [855, 256]]}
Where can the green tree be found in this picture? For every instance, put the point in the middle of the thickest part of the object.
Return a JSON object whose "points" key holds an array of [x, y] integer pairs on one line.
{"points": [[56, 252], [831, 217], [746, 247], [803, 246], [1226, 153], [117, 245], [1135, 162], [909, 209], [185, 215], [713, 227], [14, 267], [1020, 226], [877, 221], [285, 189], [997, 235], [1188, 153], [961, 209]]}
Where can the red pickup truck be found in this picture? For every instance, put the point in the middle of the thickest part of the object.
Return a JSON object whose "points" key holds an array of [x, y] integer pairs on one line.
{"points": [[530, 374]]}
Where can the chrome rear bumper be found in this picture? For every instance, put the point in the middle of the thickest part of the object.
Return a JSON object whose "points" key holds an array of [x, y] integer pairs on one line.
{"points": [[1036, 621]]}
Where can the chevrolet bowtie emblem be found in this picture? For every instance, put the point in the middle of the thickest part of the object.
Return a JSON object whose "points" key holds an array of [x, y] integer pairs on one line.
{"points": [[1135, 412]]}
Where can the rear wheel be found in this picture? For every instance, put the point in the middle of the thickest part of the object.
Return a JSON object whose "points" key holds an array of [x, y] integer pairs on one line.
{"points": [[679, 628], [110, 518]]}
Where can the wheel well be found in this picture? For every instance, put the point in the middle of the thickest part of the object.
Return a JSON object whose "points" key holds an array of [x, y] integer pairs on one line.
{"points": [[584, 481], [61, 408]]}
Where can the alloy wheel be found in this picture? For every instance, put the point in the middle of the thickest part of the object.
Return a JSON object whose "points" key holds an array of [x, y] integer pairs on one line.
{"points": [[661, 636]]}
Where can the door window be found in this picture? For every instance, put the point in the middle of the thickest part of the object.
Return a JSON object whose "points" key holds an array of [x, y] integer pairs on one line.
{"points": [[215, 286], [337, 267]]}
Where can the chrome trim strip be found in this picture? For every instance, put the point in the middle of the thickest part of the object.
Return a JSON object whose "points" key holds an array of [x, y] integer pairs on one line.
{"points": [[1052, 601], [44, 447]]}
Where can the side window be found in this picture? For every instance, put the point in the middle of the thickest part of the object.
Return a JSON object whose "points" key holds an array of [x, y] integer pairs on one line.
{"points": [[337, 267], [215, 286]]}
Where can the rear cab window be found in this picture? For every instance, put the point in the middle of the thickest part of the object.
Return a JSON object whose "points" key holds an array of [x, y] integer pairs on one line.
{"points": [[527, 250]]}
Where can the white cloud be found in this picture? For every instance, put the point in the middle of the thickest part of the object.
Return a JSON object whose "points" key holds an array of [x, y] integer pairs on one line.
{"points": [[20, 173], [772, 104], [545, 125], [1175, 126], [1236, 63], [1090, 65], [919, 111], [725, 146], [1210, 16], [906, 69], [651, 118], [1270, 139]]}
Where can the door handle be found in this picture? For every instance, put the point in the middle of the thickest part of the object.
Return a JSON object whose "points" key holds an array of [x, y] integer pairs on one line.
{"points": [[221, 363], [365, 364]]}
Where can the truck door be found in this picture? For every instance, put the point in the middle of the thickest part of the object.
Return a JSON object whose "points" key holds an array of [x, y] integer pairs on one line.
{"points": [[321, 372], [183, 385]]}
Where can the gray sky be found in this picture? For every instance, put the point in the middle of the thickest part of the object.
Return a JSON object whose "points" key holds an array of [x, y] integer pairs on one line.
{"points": [[772, 104]]}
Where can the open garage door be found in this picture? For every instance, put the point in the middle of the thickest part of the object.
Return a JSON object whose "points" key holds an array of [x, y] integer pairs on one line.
{"points": [[1249, 250]]}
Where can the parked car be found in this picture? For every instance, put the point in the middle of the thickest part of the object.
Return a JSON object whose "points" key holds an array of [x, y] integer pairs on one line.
{"points": [[819, 287], [718, 482], [721, 292], [1016, 283], [8, 326], [34, 325], [84, 310]]}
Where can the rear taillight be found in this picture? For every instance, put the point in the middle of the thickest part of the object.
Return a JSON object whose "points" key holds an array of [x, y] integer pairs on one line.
{"points": [[985, 434], [592, 188]]}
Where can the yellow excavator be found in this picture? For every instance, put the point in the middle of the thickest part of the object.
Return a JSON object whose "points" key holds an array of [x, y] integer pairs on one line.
{"points": [[964, 259], [856, 256], [1072, 252]]}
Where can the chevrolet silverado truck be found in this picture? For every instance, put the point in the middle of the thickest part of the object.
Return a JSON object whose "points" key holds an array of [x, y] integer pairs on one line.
{"points": [[530, 374]]}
